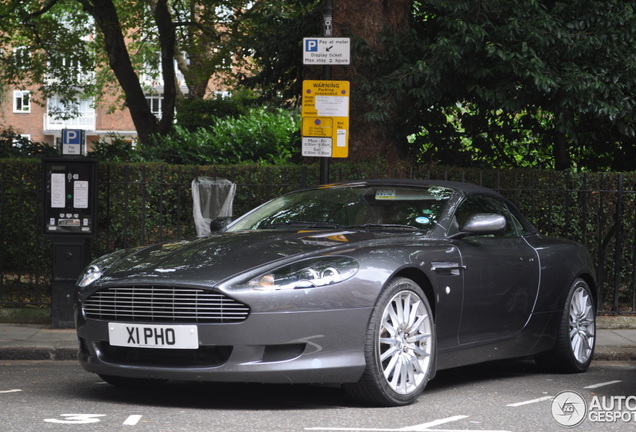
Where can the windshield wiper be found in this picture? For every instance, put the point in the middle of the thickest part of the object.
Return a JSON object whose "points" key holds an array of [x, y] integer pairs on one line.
{"points": [[301, 224]]}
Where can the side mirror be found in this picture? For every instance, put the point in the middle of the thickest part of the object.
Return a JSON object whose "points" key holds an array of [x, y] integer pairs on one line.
{"points": [[485, 223], [219, 224], [482, 224]]}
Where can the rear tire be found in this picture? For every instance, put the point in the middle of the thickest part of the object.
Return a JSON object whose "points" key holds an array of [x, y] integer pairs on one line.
{"points": [[576, 338], [399, 349]]}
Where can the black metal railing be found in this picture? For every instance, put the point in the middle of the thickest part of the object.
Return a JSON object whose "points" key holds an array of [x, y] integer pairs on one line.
{"points": [[145, 203]]}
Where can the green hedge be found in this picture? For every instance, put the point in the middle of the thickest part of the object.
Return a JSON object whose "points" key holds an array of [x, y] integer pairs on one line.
{"points": [[25, 255], [142, 203]]}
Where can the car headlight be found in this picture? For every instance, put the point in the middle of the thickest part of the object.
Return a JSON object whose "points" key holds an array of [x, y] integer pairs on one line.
{"points": [[310, 273], [97, 268], [90, 275]]}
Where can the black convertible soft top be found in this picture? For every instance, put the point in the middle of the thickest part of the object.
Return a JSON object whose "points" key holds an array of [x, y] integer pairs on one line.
{"points": [[467, 188]]}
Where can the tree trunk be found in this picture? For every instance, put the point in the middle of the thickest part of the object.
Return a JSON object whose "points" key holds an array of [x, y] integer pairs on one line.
{"points": [[167, 41], [366, 19], [561, 153], [560, 146], [195, 77], [105, 15]]}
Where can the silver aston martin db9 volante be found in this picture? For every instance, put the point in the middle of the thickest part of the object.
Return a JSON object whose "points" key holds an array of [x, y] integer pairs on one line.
{"points": [[372, 285]]}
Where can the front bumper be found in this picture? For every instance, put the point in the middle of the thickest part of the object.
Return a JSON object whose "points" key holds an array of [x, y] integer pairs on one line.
{"points": [[275, 347]]}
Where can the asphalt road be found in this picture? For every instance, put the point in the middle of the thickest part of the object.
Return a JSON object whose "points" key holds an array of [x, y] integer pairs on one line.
{"points": [[506, 396]]}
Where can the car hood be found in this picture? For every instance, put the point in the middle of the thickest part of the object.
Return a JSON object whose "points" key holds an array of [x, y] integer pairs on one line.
{"points": [[221, 256]]}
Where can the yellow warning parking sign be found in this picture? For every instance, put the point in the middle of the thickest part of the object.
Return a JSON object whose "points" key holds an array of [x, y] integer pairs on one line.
{"points": [[325, 114]]}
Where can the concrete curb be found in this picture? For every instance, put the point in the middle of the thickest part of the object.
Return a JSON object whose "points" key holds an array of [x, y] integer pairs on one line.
{"points": [[25, 316], [38, 353], [615, 354], [38, 342], [616, 322]]}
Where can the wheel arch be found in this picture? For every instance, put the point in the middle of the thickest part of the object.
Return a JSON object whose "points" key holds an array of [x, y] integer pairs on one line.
{"points": [[591, 283], [420, 278], [378, 385]]}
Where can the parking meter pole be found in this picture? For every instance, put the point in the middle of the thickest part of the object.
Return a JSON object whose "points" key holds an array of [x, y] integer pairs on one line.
{"points": [[70, 256], [326, 75]]}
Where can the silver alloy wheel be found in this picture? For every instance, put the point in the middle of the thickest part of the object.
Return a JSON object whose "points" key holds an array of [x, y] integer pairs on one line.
{"points": [[582, 325], [405, 342]]}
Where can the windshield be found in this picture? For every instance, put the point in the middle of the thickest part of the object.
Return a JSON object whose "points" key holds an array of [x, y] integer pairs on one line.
{"points": [[348, 207]]}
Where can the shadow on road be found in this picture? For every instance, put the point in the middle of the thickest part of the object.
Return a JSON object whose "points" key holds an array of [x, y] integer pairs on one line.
{"points": [[239, 396]]}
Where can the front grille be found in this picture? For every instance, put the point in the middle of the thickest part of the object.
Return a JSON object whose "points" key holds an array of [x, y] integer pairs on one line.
{"points": [[210, 356], [164, 304]]}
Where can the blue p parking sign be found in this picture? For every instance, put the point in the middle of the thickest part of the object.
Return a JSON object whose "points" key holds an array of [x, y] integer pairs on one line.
{"points": [[72, 141], [311, 45], [70, 136]]}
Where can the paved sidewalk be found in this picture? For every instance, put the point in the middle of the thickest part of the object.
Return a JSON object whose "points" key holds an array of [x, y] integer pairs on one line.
{"points": [[615, 344], [37, 342]]}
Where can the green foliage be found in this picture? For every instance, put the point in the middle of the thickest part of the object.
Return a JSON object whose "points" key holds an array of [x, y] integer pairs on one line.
{"points": [[45, 46], [13, 145], [193, 114], [84, 49], [541, 83], [268, 38], [114, 149], [25, 254], [141, 204], [260, 136], [486, 82], [471, 137]]}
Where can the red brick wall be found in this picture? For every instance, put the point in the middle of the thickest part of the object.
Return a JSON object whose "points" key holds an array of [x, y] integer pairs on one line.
{"points": [[32, 123]]}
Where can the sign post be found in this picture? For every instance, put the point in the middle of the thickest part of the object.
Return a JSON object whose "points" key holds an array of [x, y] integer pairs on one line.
{"points": [[325, 117]]}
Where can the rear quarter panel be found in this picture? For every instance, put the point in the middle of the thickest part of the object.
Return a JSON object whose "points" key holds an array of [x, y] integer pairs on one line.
{"points": [[561, 262]]}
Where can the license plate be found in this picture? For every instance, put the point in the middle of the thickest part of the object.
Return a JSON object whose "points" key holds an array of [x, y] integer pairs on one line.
{"points": [[153, 336]]}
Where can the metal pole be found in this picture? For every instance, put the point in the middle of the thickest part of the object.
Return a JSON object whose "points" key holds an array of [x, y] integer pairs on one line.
{"points": [[326, 75], [618, 248]]}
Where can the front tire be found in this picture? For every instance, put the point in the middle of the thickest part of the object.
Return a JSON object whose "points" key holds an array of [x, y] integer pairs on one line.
{"points": [[576, 337], [399, 348]]}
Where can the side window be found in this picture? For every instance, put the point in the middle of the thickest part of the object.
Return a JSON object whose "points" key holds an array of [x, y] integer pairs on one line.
{"points": [[486, 204], [520, 227]]}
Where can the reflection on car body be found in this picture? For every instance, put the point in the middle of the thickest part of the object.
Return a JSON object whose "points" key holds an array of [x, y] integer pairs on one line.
{"points": [[373, 285]]}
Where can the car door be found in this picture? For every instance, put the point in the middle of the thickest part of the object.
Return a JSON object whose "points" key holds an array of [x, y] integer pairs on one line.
{"points": [[501, 275]]}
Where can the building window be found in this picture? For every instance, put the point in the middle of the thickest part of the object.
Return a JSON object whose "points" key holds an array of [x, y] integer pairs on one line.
{"points": [[62, 114], [21, 101], [20, 139], [21, 57], [155, 102]]}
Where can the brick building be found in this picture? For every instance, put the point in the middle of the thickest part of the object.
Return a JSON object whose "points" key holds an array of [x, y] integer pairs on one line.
{"points": [[27, 113]]}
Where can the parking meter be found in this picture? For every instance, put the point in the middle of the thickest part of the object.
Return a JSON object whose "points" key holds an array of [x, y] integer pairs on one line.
{"points": [[70, 196], [70, 218]]}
